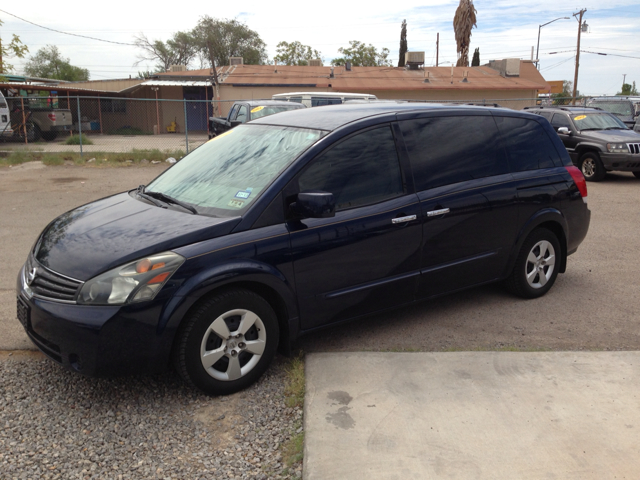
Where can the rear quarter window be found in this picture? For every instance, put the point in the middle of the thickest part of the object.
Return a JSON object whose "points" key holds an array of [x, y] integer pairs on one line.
{"points": [[528, 145]]}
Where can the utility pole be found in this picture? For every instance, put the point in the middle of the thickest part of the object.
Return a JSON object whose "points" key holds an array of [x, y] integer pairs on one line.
{"points": [[437, 47], [624, 77], [216, 89], [1, 67], [575, 78]]}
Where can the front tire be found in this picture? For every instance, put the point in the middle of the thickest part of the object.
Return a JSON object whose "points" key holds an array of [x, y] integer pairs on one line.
{"points": [[537, 265], [592, 167], [227, 343]]}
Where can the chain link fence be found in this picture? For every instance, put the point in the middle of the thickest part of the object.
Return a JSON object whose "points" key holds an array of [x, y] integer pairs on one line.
{"points": [[142, 127]]}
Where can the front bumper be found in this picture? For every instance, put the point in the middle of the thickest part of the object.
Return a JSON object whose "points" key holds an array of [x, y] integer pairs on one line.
{"points": [[624, 162], [95, 340]]}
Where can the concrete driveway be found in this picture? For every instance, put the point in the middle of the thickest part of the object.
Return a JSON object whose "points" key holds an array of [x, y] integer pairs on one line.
{"points": [[472, 415]]}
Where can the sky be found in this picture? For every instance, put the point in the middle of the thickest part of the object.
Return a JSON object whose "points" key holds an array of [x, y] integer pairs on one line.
{"points": [[610, 49]]}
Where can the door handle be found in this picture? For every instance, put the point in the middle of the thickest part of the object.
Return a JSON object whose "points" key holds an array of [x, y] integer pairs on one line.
{"points": [[435, 213], [408, 218]]}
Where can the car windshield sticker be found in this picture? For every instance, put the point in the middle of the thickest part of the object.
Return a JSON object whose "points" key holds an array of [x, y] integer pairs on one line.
{"points": [[249, 189], [580, 117], [257, 109], [221, 135], [243, 194], [236, 203]]}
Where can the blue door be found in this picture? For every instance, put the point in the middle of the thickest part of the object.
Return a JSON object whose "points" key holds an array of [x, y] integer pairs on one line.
{"points": [[196, 111], [367, 257]]}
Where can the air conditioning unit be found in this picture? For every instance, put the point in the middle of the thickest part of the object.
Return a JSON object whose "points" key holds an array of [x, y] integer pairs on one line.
{"points": [[413, 60], [414, 57], [178, 68], [315, 62], [236, 61]]}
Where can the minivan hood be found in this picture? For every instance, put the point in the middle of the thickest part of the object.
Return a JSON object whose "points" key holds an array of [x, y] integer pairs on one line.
{"points": [[621, 136], [96, 237]]}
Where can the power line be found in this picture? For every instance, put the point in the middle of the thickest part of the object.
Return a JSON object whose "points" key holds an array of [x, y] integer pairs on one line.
{"points": [[67, 33]]}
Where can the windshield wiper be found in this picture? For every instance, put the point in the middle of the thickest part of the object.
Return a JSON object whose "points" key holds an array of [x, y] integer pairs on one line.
{"points": [[168, 199], [617, 128], [140, 193]]}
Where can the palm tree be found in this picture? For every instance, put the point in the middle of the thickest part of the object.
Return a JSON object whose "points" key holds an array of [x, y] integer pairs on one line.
{"points": [[463, 22]]}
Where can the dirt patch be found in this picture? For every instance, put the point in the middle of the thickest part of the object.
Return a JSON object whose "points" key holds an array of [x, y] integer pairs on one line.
{"points": [[18, 355], [222, 417], [69, 179]]}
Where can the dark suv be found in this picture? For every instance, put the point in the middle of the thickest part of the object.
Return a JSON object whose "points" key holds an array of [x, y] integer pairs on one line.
{"points": [[297, 221], [597, 141]]}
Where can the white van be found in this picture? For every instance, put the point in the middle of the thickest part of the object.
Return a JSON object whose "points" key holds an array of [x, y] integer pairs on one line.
{"points": [[5, 120], [317, 99]]}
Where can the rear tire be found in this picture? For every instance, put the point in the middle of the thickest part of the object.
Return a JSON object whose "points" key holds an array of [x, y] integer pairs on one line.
{"points": [[49, 136], [227, 342], [592, 167], [536, 267]]}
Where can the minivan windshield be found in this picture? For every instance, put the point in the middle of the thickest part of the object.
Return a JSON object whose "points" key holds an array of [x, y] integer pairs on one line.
{"points": [[598, 121], [229, 172]]}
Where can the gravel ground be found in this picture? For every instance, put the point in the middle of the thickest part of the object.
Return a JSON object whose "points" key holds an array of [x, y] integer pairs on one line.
{"points": [[56, 424]]}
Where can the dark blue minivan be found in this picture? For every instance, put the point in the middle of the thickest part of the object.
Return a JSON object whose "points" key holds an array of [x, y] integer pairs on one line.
{"points": [[297, 221]]}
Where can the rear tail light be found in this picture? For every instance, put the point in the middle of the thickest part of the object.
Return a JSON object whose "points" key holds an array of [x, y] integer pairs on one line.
{"points": [[52, 116], [579, 180]]}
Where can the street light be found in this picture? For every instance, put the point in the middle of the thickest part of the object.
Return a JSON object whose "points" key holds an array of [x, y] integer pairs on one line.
{"points": [[539, 28]]}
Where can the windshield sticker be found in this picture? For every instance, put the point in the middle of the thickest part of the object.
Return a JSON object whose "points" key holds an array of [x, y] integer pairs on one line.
{"points": [[249, 189], [580, 117], [221, 135], [243, 194], [257, 109], [235, 204]]}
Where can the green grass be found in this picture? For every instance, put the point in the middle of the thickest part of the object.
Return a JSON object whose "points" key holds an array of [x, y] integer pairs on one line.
{"points": [[129, 131], [75, 140], [101, 159], [293, 450]]}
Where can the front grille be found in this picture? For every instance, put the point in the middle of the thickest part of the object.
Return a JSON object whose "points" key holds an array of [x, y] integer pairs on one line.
{"points": [[634, 147], [633, 165], [51, 285]]}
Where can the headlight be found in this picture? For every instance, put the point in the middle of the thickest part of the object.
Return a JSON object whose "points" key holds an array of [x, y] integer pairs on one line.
{"points": [[134, 282], [617, 148]]}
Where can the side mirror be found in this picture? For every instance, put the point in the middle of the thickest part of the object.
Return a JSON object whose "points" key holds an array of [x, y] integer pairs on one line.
{"points": [[314, 204], [563, 131], [235, 123]]}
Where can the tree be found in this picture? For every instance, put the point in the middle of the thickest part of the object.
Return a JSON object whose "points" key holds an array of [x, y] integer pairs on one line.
{"points": [[49, 63], [15, 48], [463, 21], [178, 50], [628, 89], [221, 39], [361, 55], [295, 53], [564, 98], [476, 58], [403, 43]]}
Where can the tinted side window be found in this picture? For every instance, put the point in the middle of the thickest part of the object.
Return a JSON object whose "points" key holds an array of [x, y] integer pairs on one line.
{"points": [[560, 120], [360, 170], [319, 101], [528, 145], [445, 150], [242, 114]]}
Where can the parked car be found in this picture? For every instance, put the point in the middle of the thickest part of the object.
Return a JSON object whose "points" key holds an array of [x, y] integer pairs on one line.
{"points": [[626, 109], [245, 111], [5, 122], [298, 221], [45, 120], [319, 99], [597, 141]]}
